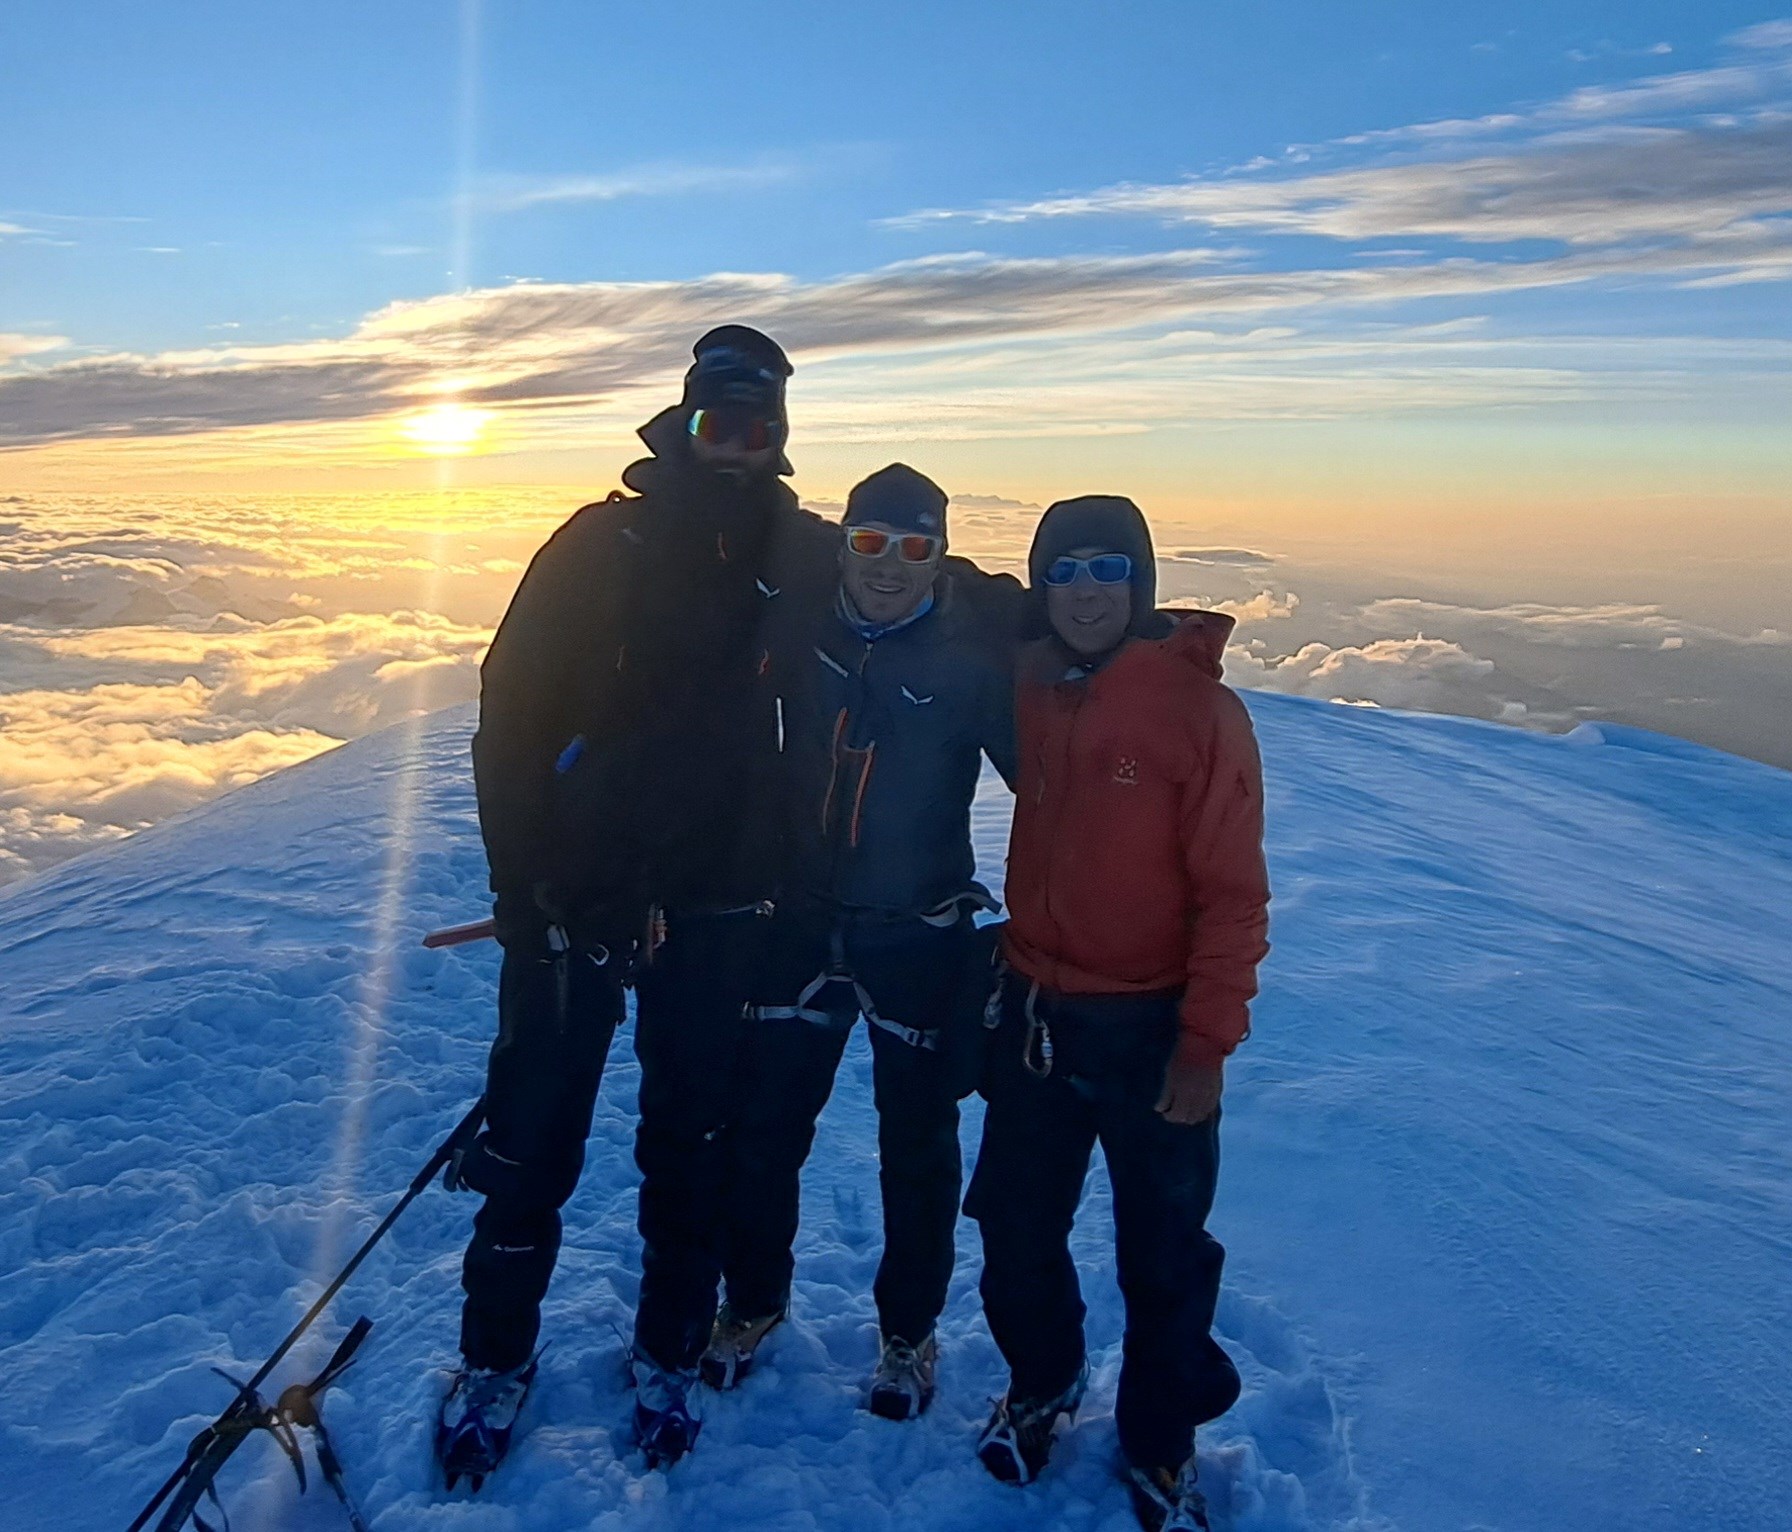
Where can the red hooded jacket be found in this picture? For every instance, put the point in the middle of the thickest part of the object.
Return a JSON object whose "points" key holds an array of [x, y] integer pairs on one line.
{"points": [[1136, 858]]}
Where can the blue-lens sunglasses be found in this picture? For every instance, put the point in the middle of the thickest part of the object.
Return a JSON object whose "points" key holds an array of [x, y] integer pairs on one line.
{"points": [[1104, 569]]}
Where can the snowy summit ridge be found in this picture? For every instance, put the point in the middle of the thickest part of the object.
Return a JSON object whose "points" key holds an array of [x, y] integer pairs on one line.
{"points": [[1508, 1191]]}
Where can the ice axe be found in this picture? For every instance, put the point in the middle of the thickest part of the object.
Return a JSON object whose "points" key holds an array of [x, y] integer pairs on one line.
{"points": [[457, 936], [212, 1447]]}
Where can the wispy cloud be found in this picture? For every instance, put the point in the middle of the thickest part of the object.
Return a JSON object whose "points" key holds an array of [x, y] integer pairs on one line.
{"points": [[1609, 625], [1705, 184], [1759, 76], [993, 503], [1606, 48], [14, 346], [33, 227], [1600, 165], [961, 330], [503, 193], [1764, 35]]}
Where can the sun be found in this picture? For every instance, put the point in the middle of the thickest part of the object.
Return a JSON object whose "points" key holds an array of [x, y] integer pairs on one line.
{"points": [[447, 430]]}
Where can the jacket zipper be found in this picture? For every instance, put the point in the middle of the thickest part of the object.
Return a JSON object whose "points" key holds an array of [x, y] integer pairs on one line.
{"points": [[844, 845], [1052, 807]]}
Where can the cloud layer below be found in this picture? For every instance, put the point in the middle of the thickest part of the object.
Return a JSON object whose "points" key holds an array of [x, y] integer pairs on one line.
{"points": [[156, 653]]}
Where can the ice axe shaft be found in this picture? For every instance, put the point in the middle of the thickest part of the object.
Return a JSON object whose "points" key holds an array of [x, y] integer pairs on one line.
{"points": [[215, 1443], [456, 936]]}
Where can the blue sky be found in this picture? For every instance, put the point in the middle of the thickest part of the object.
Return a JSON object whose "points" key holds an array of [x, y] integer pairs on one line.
{"points": [[285, 166]]}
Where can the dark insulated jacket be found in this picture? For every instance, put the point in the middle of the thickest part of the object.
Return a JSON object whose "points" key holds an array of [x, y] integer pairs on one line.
{"points": [[883, 743], [628, 740]]}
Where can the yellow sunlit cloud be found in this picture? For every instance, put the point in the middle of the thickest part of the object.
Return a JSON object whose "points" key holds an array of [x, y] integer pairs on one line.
{"points": [[447, 430]]}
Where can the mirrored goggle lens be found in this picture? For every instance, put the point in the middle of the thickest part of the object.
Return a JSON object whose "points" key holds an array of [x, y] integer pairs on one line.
{"points": [[751, 431], [911, 547], [1104, 569]]}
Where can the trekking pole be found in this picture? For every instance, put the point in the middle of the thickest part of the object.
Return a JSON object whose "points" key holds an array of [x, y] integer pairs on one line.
{"points": [[218, 1440]]}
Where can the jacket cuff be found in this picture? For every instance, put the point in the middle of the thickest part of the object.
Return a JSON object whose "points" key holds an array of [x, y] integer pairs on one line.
{"points": [[1211, 1032], [1199, 1048]]}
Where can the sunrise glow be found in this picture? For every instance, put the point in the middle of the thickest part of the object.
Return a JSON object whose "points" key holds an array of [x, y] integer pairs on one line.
{"points": [[447, 430]]}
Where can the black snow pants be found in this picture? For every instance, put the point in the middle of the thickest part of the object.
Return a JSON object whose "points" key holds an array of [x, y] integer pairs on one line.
{"points": [[556, 1016], [916, 985], [690, 1021], [1107, 1059]]}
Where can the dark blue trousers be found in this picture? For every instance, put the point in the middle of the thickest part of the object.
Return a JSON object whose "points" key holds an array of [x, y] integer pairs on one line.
{"points": [[690, 1023], [920, 980], [556, 1016], [1107, 1067]]}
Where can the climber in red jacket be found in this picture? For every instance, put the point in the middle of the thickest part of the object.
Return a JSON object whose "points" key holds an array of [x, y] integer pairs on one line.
{"points": [[1138, 911]]}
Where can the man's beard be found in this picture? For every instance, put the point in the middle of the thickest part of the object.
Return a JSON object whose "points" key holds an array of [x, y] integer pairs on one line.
{"points": [[738, 475]]}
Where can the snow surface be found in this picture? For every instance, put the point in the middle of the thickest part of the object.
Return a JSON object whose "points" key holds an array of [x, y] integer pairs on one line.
{"points": [[1508, 1177]]}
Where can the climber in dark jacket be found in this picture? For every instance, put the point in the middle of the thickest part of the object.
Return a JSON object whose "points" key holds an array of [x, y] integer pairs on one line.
{"points": [[627, 739], [893, 694]]}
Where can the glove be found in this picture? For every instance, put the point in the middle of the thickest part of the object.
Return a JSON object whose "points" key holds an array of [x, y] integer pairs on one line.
{"points": [[1193, 1082], [519, 923], [965, 1024], [541, 924]]}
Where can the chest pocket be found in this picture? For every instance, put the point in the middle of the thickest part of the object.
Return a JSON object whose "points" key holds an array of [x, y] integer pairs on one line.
{"points": [[1129, 766]]}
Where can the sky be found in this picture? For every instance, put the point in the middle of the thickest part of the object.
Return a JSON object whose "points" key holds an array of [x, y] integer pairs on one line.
{"points": [[1451, 345]]}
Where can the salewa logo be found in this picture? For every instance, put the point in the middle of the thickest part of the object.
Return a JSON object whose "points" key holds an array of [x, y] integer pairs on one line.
{"points": [[918, 701], [1127, 773], [768, 591]]}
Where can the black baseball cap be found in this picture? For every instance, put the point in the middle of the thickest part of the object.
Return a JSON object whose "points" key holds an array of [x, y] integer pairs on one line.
{"points": [[737, 366]]}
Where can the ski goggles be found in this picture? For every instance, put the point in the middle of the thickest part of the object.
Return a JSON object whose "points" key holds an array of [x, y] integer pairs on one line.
{"points": [[747, 428], [1104, 569], [911, 547]]}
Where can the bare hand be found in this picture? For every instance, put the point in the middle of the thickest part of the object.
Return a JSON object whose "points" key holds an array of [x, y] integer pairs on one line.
{"points": [[1192, 1086]]}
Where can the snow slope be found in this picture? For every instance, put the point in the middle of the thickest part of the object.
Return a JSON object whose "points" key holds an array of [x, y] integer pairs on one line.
{"points": [[1507, 1193]]}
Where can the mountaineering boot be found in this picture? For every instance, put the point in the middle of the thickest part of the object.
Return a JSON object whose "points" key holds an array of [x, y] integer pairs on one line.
{"points": [[1167, 1501], [477, 1417], [733, 1344], [902, 1386], [667, 1413], [1017, 1441]]}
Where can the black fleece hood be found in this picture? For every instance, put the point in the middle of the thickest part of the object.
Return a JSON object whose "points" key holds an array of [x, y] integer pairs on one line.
{"points": [[1111, 523]]}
